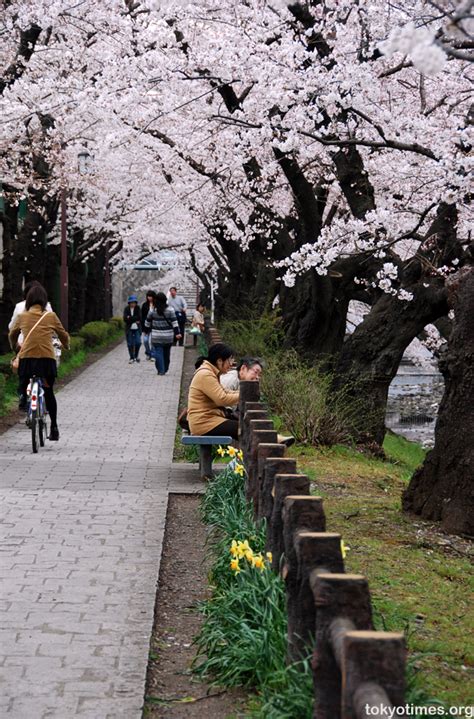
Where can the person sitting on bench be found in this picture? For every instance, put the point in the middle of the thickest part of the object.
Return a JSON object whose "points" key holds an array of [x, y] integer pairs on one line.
{"points": [[207, 399]]}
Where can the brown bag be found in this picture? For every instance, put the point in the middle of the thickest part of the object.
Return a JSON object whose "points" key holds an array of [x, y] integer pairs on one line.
{"points": [[183, 420]]}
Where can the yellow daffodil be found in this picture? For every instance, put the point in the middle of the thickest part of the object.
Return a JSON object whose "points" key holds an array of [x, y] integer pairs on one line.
{"points": [[242, 548], [231, 451], [270, 557], [234, 565], [240, 455], [234, 548], [258, 562], [221, 451], [249, 555], [344, 549], [239, 469]]}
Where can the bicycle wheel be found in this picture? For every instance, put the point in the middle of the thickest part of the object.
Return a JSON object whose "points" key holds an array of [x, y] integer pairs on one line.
{"points": [[35, 430]]}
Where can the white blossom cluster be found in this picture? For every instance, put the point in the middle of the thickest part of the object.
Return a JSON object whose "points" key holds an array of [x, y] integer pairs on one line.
{"points": [[418, 43], [143, 91]]}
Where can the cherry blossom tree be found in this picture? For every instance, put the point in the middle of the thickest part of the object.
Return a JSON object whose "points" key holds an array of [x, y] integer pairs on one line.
{"points": [[305, 154]]}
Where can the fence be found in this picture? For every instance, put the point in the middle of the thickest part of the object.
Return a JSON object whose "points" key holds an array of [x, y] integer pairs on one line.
{"points": [[356, 670]]}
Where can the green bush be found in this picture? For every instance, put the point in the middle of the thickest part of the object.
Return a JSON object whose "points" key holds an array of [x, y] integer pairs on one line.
{"points": [[76, 344], [254, 336], [96, 333], [5, 366], [2, 389], [301, 395], [117, 323]]}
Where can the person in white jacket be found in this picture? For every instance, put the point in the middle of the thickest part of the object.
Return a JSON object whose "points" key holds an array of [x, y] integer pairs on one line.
{"points": [[20, 307]]}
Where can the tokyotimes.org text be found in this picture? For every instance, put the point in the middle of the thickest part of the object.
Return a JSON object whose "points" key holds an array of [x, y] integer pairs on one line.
{"points": [[410, 710]]}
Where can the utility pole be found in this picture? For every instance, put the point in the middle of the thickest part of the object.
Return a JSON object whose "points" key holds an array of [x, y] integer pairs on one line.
{"points": [[108, 309]]}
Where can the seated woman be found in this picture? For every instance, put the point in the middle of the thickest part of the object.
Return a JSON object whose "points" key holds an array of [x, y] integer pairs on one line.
{"points": [[207, 398]]}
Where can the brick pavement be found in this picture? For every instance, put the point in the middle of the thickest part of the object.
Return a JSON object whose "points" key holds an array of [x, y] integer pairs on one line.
{"points": [[82, 530]]}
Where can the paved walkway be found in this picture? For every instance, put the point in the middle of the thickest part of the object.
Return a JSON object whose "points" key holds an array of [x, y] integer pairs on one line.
{"points": [[82, 529]]}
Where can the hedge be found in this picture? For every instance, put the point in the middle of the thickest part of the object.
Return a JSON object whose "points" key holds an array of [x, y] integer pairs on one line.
{"points": [[118, 323], [97, 333], [3, 381], [76, 344], [5, 366]]}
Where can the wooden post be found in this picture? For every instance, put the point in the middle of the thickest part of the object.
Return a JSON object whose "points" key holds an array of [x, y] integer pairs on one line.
{"points": [[249, 392], [264, 450], [250, 406], [256, 437], [314, 551], [284, 486], [299, 514], [372, 661], [335, 596], [272, 466], [245, 426], [249, 424]]}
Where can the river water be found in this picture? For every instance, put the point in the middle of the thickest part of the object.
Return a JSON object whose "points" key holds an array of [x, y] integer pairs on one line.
{"points": [[413, 400]]}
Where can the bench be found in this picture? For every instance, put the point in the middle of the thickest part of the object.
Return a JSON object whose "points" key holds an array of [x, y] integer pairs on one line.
{"points": [[205, 450]]}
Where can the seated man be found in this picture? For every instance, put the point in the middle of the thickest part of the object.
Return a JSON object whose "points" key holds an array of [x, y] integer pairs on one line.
{"points": [[249, 369]]}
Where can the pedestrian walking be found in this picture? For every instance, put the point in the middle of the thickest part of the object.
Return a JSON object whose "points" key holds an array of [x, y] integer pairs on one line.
{"points": [[146, 307], [178, 304], [197, 323], [162, 322], [132, 320]]}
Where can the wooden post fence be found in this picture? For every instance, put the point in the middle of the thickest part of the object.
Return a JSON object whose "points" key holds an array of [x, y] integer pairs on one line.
{"points": [[355, 668]]}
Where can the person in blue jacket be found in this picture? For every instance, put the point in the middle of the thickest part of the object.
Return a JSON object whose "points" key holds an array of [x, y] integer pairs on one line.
{"points": [[133, 328]]}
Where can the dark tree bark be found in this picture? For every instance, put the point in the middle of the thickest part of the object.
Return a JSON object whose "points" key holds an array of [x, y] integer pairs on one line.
{"points": [[314, 315], [370, 357], [95, 290], [443, 489]]}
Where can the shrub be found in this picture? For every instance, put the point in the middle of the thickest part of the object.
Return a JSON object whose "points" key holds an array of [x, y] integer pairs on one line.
{"points": [[117, 323], [76, 344], [260, 336], [96, 333], [5, 366], [2, 389], [301, 395]]}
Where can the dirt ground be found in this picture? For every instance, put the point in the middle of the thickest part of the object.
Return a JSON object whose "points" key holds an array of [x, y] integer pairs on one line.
{"points": [[171, 689]]}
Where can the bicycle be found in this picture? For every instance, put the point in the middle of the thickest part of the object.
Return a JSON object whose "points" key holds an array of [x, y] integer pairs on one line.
{"points": [[36, 413]]}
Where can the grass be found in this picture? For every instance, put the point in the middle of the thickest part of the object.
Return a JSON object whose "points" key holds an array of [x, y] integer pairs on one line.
{"points": [[420, 580]]}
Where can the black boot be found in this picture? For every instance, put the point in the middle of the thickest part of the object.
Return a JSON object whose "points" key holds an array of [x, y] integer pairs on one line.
{"points": [[54, 434]]}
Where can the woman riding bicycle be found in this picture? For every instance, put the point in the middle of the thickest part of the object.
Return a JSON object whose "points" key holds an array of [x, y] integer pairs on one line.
{"points": [[37, 356]]}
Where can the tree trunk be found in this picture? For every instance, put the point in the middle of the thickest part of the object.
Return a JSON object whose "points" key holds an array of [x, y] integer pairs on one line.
{"points": [[370, 357], [314, 316], [442, 489]]}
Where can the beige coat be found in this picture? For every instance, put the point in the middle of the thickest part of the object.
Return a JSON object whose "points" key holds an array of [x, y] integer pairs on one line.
{"points": [[40, 342], [206, 400]]}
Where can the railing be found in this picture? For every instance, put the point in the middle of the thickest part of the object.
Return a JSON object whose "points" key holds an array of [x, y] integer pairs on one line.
{"points": [[356, 670]]}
